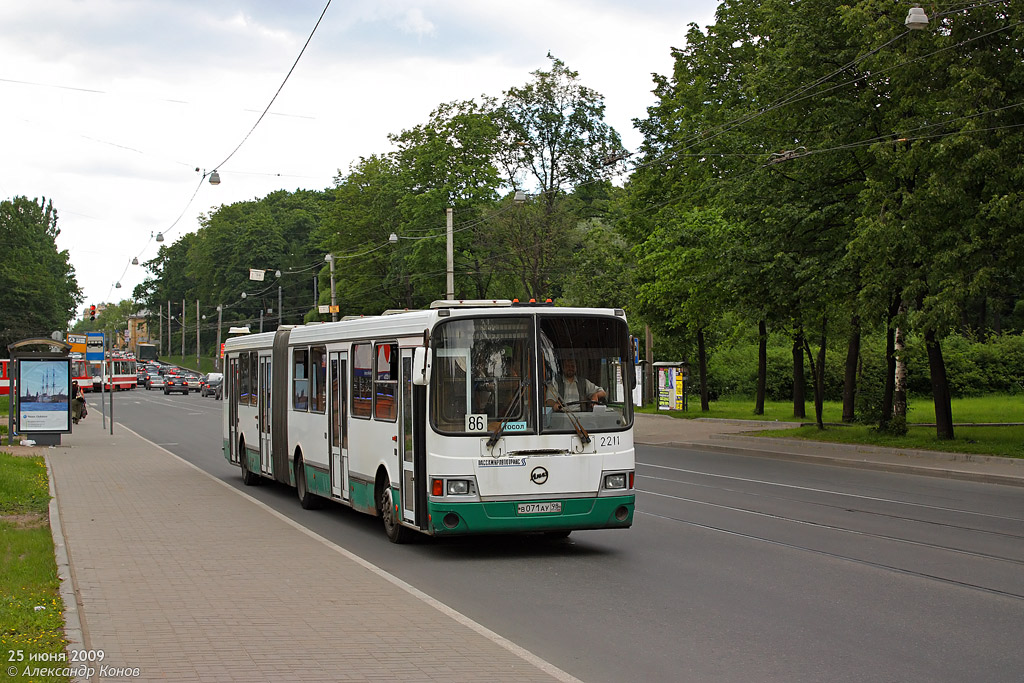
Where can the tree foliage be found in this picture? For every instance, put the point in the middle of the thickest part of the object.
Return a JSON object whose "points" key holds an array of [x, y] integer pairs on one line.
{"points": [[37, 281]]}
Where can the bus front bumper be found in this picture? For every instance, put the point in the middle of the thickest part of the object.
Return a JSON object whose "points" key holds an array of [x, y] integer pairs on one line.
{"points": [[606, 512]]}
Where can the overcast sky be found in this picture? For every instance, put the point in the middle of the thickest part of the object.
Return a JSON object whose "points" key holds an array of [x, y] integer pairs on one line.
{"points": [[109, 106]]}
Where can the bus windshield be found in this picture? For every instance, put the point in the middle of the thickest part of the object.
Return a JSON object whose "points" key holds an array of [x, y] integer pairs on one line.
{"points": [[481, 375], [484, 374], [585, 368]]}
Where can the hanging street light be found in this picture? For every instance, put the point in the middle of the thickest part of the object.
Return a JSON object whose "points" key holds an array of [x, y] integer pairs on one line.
{"points": [[917, 20]]}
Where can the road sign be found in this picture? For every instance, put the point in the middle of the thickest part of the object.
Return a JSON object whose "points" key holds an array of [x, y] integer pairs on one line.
{"points": [[77, 342], [94, 346], [256, 274]]}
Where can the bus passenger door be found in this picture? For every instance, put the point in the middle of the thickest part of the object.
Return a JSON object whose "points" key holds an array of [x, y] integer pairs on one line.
{"points": [[339, 425], [230, 394], [406, 437], [263, 411]]}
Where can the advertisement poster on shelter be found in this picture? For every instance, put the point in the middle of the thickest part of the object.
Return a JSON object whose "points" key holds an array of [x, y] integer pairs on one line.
{"points": [[44, 395]]}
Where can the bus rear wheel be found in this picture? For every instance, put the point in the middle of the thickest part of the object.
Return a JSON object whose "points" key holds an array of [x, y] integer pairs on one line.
{"points": [[392, 527], [249, 478], [306, 499]]}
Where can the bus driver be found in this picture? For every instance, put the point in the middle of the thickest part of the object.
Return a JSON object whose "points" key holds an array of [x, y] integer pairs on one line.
{"points": [[568, 392]]}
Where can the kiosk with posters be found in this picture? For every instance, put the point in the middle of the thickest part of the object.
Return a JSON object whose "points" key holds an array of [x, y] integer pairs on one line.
{"points": [[40, 390], [671, 379]]}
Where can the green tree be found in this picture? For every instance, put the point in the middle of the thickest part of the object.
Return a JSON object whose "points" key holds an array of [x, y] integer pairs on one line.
{"points": [[40, 292], [942, 221]]}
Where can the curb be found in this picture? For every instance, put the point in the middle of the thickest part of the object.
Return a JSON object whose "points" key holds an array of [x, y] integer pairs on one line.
{"points": [[73, 632], [847, 461]]}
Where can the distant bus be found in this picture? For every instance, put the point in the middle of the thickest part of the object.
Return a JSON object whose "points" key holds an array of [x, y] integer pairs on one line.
{"points": [[120, 373], [437, 420], [5, 382], [80, 372], [146, 352]]}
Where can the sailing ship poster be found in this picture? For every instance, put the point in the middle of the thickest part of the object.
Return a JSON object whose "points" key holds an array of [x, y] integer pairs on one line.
{"points": [[44, 401]]}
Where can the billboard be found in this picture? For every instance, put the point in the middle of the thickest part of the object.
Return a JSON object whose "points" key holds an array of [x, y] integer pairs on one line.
{"points": [[44, 395]]}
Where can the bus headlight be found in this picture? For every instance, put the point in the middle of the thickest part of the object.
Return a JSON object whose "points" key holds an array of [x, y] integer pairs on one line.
{"points": [[615, 481], [458, 487]]}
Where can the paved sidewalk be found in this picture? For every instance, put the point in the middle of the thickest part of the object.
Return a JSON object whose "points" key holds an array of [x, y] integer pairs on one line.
{"points": [[183, 578], [728, 436]]}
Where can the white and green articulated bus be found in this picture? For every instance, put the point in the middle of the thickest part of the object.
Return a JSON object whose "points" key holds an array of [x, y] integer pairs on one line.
{"points": [[472, 417]]}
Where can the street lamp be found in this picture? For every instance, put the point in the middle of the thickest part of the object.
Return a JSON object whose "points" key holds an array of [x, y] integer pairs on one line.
{"points": [[213, 175], [334, 297], [917, 20]]}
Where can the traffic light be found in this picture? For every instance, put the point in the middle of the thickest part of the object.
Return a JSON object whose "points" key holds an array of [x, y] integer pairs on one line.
{"points": [[92, 312]]}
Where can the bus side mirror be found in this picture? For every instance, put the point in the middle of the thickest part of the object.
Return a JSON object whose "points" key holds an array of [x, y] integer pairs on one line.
{"points": [[421, 366]]}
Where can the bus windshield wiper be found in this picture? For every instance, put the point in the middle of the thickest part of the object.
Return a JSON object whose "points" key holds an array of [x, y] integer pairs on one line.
{"points": [[573, 420], [580, 431], [500, 429]]}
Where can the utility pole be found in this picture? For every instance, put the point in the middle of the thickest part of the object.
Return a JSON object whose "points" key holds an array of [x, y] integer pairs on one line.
{"points": [[450, 234], [197, 334], [160, 318], [168, 327], [182, 330], [649, 352], [334, 298], [279, 306], [216, 361]]}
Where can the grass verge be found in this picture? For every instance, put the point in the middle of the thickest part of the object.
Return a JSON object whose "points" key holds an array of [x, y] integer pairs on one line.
{"points": [[29, 636], [1002, 441], [1007, 441]]}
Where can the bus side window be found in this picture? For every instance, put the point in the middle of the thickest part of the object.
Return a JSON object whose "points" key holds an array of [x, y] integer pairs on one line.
{"points": [[254, 377], [318, 376], [243, 378], [385, 382], [300, 379], [362, 380]]}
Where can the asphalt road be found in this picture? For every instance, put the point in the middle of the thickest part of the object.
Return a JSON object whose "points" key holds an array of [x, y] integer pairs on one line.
{"points": [[736, 568]]}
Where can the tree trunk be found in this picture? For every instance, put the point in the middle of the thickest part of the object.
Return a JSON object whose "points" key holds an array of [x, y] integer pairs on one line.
{"points": [[651, 397], [762, 366], [850, 377], [818, 377], [885, 421], [799, 389], [899, 400], [940, 387], [702, 359]]}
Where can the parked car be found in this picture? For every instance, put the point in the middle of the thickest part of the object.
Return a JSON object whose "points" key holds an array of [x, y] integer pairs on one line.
{"points": [[154, 381], [212, 385], [175, 383]]}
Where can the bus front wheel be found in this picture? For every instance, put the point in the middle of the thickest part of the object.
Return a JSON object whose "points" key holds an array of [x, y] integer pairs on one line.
{"points": [[386, 507]]}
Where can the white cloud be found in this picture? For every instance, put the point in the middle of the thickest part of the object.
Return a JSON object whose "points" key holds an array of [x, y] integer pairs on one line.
{"points": [[180, 82]]}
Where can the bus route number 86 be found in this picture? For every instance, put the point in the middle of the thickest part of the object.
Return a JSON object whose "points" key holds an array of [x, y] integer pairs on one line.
{"points": [[476, 422]]}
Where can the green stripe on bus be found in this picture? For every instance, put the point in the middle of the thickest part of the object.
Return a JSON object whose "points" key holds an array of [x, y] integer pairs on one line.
{"points": [[577, 513], [362, 495]]}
